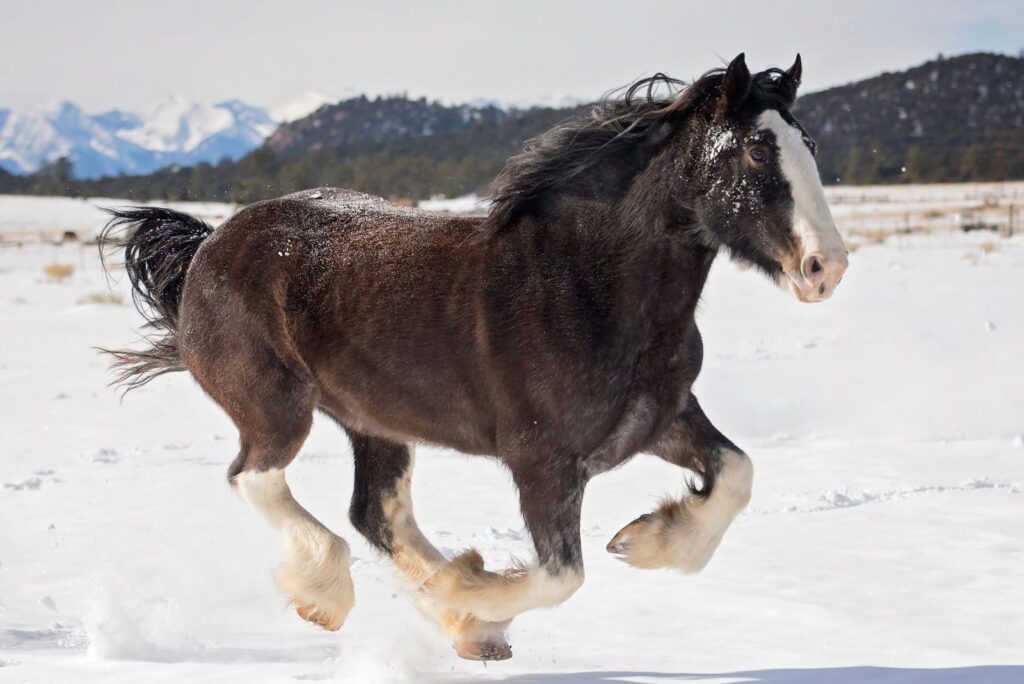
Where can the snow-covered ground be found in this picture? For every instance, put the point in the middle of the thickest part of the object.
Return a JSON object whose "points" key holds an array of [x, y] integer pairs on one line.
{"points": [[27, 218], [884, 542]]}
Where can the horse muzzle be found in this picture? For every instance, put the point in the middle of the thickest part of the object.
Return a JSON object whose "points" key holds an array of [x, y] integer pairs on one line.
{"points": [[818, 276]]}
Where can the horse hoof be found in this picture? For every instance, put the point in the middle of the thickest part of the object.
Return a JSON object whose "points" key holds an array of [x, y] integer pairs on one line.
{"points": [[620, 543], [491, 649], [311, 613]]}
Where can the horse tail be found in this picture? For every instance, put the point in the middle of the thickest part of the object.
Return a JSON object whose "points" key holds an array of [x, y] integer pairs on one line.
{"points": [[159, 244]]}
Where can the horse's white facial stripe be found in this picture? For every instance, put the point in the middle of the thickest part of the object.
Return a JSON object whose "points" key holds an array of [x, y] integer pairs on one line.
{"points": [[812, 219]]}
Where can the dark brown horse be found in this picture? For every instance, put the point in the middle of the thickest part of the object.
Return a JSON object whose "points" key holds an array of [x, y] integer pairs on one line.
{"points": [[555, 334]]}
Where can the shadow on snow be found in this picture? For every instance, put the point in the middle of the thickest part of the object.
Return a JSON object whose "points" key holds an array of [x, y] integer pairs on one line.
{"points": [[982, 674]]}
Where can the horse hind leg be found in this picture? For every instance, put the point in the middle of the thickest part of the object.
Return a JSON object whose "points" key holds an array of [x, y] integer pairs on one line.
{"points": [[272, 402], [314, 573], [382, 511]]}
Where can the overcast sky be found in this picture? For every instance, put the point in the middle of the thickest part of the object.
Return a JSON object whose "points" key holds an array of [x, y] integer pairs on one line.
{"points": [[130, 55]]}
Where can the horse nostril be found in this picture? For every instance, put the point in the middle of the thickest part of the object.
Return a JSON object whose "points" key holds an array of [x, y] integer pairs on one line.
{"points": [[814, 269], [821, 290]]}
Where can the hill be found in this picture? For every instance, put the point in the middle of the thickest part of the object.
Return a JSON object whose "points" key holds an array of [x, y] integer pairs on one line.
{"points": [[956, 119]]}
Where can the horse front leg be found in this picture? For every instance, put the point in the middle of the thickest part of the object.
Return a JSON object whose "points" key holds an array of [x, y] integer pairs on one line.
{"points": [[551, 496], [684, 533], [382, 511]]}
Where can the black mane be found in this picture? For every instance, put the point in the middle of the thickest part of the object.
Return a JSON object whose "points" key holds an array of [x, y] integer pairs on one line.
{"points": [[613, 125]]}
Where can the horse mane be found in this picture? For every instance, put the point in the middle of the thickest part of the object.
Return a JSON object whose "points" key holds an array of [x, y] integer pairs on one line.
{"points": [[552, 160]]}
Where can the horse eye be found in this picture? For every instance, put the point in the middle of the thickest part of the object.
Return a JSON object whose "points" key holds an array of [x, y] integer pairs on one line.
{"points": [[759, 154]]}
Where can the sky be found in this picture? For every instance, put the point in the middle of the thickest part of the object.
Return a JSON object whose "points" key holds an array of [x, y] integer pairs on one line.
{"points": [[131, 55]]}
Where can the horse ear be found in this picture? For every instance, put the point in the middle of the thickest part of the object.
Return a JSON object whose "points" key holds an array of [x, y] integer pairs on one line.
{"points": [[796, 71], [790, 81], [736, 83]]}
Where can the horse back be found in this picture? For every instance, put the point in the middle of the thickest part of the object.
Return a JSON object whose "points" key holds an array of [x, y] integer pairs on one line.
{"points": [[353, 289]]}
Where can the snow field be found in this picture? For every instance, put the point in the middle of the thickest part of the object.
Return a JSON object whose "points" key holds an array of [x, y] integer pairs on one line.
{"points": [[884, 541]]}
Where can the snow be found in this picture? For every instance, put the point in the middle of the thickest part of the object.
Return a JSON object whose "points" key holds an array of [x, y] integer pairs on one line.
{"points": [[467, 204], [300, 106], [177, 124], [884, 541], [720, 143], [29, 218], [27, 138]]}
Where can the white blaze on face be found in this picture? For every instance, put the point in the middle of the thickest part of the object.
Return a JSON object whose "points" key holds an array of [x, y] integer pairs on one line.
{"points": [[812, 220]]}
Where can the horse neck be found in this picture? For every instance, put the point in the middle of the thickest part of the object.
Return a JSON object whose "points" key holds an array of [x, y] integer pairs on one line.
{"points": [[669, 258]]}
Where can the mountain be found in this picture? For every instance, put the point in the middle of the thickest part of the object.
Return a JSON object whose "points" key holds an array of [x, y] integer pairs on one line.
{"points": [[955, 119], [117, 142], [360, 122], [181, 132]]}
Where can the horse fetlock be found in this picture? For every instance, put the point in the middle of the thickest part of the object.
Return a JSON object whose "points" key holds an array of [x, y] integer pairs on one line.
{"points": [[317, 579], [464, 586], [681, 534], [472, 637], [685, 533]]}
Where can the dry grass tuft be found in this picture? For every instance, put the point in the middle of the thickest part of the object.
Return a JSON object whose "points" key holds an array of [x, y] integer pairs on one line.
{"points": [[58, 273], [852, 246], [875, 236], [102, 298], [988, 247]]}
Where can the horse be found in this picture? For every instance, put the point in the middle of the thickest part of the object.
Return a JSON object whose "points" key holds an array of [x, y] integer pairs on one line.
{"points": [[555, 334]]}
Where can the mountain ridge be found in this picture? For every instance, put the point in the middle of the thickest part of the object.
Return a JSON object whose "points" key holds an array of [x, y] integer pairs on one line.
{"points": [[949, 119]]}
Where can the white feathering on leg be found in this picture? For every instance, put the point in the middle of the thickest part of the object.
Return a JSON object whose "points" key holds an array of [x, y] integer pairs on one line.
{"points": [[315, 570], [685, 533]]}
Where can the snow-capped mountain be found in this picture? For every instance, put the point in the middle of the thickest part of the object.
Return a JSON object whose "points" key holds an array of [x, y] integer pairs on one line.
{"points": [[176, 131]]}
